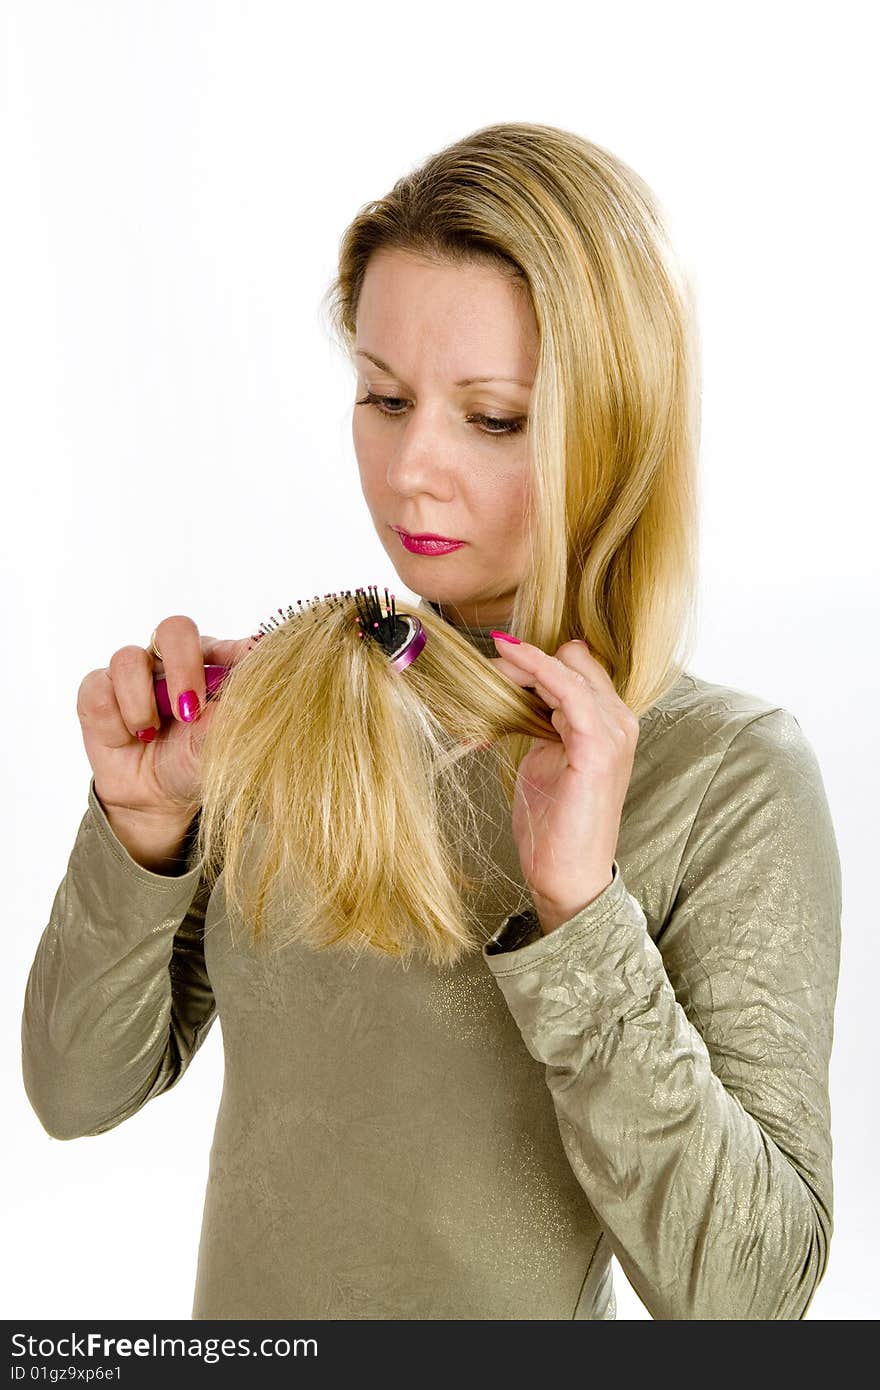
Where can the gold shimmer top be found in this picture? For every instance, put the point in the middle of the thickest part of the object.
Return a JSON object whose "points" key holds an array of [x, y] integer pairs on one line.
{"points": [[648, 1080]]}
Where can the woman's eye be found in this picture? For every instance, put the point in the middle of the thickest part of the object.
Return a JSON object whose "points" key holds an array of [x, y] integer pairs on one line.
{"points": [[490, 424], [383, 402]]}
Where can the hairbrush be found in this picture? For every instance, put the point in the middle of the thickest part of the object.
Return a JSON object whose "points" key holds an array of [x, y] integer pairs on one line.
{"points": [[400, 635]]}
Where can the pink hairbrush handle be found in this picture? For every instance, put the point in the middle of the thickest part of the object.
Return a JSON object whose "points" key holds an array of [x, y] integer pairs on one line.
{"points": [[214, 677]]}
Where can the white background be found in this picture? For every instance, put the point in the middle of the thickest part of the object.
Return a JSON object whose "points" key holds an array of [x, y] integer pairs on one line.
{"points": [[175, 433]]}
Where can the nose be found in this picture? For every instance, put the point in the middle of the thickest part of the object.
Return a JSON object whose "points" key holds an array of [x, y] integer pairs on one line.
{"points": [[421, 457]]}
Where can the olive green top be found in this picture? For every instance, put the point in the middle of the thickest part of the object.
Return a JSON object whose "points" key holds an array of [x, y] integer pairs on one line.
{"points": [[649, 1080]]}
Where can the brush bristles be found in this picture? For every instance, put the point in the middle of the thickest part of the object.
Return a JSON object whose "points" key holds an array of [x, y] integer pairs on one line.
{"points": [[387, 629]]}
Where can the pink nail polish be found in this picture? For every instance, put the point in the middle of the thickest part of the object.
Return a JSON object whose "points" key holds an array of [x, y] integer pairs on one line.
{"points": [[504, 636], [147, 735], [188, 706]]}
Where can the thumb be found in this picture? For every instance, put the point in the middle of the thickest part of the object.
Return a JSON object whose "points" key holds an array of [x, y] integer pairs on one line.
{"points": [[198, 729]]}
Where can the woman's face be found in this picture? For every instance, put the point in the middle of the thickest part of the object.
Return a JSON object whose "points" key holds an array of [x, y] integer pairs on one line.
{"points": [[439, 452]]}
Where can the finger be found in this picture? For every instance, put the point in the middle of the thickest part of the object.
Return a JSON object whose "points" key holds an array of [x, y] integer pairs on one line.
{"points": [[570, 690], [524, 679], [219, 655], [574, 658], [574, 653], [619, 715], [577, 654], [99, 709], [131, 673], [180, 643], [514, 673], [224, 651], [530, 662]]}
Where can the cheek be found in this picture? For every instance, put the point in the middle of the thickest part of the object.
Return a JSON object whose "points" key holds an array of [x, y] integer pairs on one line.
{"points": [[505, 502], [368, 456], [365, 428], [358, 436]]}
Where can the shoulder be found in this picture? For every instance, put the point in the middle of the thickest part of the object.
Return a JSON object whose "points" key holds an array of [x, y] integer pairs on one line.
{"points": [[697, 726], [693, 707], [728, 766], [750, 779], [736, 786]]}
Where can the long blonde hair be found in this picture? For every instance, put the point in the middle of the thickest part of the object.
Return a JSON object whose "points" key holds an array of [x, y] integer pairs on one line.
{"points": [[615, 412], [342, 779], [350, 769]]}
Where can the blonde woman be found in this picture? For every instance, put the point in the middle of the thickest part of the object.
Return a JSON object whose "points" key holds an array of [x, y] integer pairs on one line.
{"points": [[526, 955]]}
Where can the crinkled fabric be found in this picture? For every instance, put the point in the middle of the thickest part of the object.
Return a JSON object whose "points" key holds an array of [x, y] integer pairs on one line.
{"points": [[649, 1080]]}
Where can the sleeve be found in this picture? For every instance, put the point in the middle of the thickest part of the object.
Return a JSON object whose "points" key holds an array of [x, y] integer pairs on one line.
{"points": [[690, 1076], [118, 998]]}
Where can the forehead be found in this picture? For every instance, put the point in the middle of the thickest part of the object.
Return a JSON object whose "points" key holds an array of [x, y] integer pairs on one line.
{"points": [[459, 313]]}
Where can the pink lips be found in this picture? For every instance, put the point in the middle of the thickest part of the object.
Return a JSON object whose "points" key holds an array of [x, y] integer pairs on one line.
{"points": [[427, 544]]}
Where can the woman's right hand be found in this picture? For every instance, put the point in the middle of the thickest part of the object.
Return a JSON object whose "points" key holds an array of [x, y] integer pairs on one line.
{"points": [[160, 778]]}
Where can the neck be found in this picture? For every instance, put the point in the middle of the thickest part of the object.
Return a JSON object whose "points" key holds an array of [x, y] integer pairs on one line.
{"points": [[477, 636], [477, 619]]}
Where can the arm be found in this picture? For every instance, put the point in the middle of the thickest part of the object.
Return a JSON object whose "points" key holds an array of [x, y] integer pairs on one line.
{"points": [[690, 1077], [118, 998]]}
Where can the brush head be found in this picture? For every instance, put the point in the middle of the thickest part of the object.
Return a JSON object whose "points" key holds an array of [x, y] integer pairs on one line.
{"points": [[400, 635]]}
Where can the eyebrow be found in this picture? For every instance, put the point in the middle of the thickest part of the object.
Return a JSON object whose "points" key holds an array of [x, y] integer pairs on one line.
{"points": [[466, 381]]}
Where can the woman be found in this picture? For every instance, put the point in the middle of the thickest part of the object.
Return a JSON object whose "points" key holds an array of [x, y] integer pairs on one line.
{"points": [[638, 1065]]}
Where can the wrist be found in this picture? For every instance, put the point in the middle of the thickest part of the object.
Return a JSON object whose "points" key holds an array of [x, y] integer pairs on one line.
{"points": [[155, 818], [158, 842], [553, 914]]}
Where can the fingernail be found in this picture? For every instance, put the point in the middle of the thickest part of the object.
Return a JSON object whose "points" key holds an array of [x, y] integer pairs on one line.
{"points": [[147, 735], [504, 636], [188, 706]]}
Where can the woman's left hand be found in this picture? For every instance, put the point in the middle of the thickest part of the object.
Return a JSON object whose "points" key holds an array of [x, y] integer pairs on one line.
{"points": [[569, 796]]}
